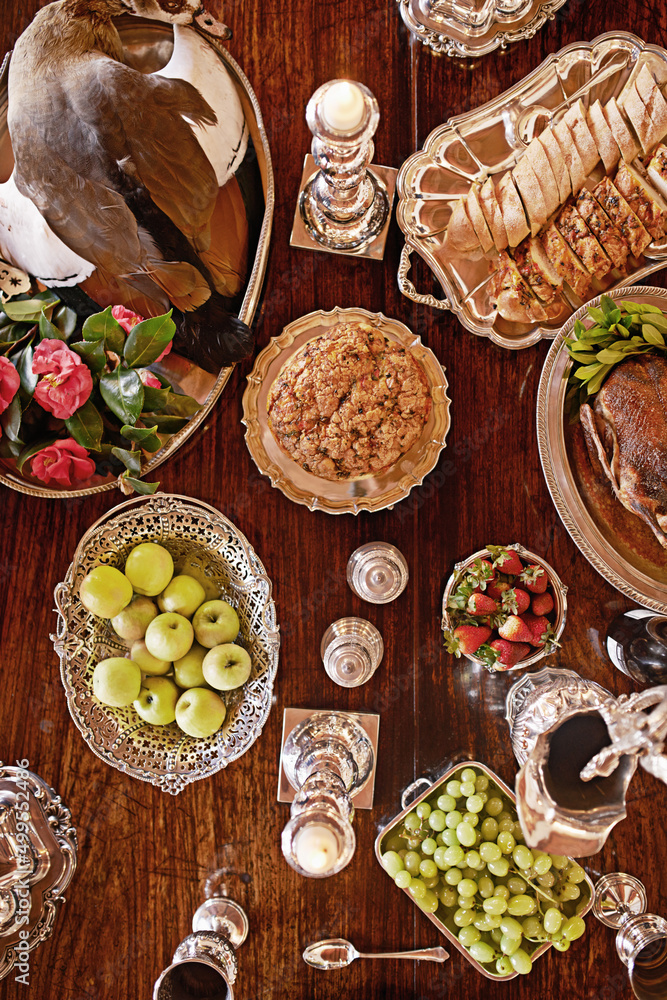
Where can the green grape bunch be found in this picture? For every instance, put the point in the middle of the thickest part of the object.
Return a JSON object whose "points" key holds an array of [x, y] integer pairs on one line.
{"points": [[461, 855]]}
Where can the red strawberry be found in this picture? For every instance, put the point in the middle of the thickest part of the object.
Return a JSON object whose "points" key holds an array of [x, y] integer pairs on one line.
{"points": [[539, 627], [481, 604], [506, 560], [509, 652], [466, 639], [498, 588], [516, 601], [535, 579], [483, 572], [542, 604], [516, 630]]}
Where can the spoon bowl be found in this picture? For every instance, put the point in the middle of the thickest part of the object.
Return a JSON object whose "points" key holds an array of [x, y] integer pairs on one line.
{"points": [[337, 953]]}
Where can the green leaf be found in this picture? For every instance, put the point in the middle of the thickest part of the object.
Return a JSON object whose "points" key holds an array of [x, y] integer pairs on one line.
{"points": [[594, 385], [155, 399], [652, 335], [139, 485], [587, 371], [609, 357], [659, 320], [65, 319], [86, 426], [130, 459], [92, 352], [144, 436], [32, 450], [28, 310], [166, 423], [581, 358], [613, 317], [10, 420], [47, 330], [178, 404], [598, 315], [23, 363], [102, 326], [148, 339], [10, 449], [123, 393], [12, 333]]}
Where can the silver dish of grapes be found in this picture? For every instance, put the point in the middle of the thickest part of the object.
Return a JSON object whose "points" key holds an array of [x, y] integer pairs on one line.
{"points": [[442, 918], [206, 545]]}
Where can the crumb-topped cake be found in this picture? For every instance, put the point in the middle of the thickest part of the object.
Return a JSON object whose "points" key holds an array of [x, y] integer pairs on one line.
{"points": [[349, 403]]}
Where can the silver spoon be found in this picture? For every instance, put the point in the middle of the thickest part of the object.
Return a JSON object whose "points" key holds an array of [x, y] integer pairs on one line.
{"points": [[337, 953]]}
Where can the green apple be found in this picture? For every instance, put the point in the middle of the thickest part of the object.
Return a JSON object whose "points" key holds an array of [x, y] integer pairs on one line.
{"points": [[157, 701], [148, 663], [182, 594], [169, 636], [149, 568], [196, 564], [215, 622], [200, 712], [187, 671], [116, 681], [227, 666], [131, 623], [105, 591]]}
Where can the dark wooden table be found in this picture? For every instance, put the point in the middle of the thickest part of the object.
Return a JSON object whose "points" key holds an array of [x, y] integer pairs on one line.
{"points": [[143, 855]]}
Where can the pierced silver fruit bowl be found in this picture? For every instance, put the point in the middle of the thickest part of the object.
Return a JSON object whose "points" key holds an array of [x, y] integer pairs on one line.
{"points": [[204, 544]]}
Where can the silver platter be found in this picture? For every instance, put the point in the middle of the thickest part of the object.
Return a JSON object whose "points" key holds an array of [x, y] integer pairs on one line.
{"points": [[53, 853], [488, 141], [150, 45], [351, 496], [468, 29], [204, 544], [611, 555]]}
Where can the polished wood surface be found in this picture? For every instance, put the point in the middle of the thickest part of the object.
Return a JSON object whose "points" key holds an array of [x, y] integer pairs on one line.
{"points": [[143, 855]]}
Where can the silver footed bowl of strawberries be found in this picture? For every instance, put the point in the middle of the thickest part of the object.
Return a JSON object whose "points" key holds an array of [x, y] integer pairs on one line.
{"points": [[504, 607]]}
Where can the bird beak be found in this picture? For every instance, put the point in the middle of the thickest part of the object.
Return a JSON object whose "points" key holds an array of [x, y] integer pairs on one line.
{"points": [[210, 25]]}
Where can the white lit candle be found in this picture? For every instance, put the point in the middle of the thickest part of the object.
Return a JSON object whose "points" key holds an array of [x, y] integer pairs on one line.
{"points": [[343, 106], [316, 848]]}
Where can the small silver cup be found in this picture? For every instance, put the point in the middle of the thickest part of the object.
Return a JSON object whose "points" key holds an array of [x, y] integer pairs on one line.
{"points": [[377, 572], [351, 651]]}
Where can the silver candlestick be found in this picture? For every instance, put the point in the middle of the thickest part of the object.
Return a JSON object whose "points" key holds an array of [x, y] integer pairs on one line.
{"points": [[327, 758], [343, 206], [205, 963]]}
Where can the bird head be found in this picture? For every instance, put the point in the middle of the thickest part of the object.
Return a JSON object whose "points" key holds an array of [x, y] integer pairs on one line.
{"points": [[177, 12]]}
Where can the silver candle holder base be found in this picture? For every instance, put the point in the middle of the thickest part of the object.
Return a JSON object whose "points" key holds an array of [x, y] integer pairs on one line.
{"points": [[304, 236]]}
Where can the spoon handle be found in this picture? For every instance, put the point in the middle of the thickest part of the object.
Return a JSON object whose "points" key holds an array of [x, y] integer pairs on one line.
{"points": [[423, 954]]}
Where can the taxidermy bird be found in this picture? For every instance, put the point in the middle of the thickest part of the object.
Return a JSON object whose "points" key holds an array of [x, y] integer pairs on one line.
{"points": [[124, 181]]}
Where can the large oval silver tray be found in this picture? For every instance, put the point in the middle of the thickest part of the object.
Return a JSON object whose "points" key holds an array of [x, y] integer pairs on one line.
{"points": [[150, 44], [640, 575], [488, 141], [203, 543], [468, 29], [351, 496]]}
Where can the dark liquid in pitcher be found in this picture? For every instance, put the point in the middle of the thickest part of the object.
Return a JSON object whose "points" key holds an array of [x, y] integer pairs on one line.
{"points": [[196, 981], [640, 644], [649, 973]]}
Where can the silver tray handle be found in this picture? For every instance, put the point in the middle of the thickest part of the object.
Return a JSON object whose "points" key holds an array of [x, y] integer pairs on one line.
{"points": [[414, 790], [409, 290]]}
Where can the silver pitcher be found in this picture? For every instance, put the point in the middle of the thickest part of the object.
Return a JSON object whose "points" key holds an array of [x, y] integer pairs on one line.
{"points": [[579, 747]]}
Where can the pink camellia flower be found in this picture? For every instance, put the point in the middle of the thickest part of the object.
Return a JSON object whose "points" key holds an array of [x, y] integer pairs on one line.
{"points": [[128, 320], [67, 382], [64, 462], [9, 383], [149, 379]]}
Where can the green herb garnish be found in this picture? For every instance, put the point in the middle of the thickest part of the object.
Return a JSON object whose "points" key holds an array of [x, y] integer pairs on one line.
{"points": [[619, 330]]}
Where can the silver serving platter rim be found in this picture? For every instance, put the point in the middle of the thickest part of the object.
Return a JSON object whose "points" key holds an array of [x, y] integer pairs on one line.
{"points": [[349, 496], [153, 35], [511, 336], [572, 510]]}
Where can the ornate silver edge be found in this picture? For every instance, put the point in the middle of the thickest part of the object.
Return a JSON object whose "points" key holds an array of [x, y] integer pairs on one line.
{"points": [[592, 547], [457, 306], [560, 592], [432, 917], [59, 820], [246, 312], [169, 782], [278, 477], [442, 44]]}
